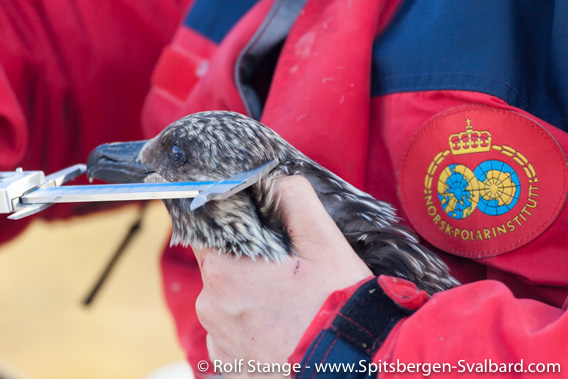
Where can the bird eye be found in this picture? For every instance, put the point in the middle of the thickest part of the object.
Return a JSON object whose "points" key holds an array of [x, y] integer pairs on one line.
{"points": [[177, 155]]}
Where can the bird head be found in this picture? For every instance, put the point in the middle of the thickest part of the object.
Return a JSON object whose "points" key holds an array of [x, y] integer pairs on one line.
{"points": [[208, 146], [200, 147]]}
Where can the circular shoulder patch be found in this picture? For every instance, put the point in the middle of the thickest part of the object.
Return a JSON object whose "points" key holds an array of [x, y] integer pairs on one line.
{"points": [[477, 181]]}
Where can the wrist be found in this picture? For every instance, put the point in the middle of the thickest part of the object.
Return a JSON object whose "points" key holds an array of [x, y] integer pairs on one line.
{"points": [[370, 309], [324, 318]]}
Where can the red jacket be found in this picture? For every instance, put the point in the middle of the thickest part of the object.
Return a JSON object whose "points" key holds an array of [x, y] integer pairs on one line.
{"points": [[369, 89], [337, 94]]}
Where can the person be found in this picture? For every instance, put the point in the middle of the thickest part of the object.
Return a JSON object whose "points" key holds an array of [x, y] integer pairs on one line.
{"points": [[382, 93], [453, 113]]}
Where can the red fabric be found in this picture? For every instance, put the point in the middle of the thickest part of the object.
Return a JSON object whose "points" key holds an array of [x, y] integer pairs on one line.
{"points": [[491, 322], [338, 98], [403, 292], [180, 67], [73, 75], [12, 126], [467, 325]]}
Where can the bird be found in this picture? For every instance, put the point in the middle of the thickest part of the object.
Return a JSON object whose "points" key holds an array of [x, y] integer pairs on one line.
{"points": [[215, 145]]}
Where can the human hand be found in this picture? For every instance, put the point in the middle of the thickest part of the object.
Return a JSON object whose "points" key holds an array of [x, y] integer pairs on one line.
{"points": [[257, 310]]}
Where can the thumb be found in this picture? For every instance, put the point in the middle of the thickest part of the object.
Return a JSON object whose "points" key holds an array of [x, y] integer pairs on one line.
{"points": [[301, 209], [314, 234]]}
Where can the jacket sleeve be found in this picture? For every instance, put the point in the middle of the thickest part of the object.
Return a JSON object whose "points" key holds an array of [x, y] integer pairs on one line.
{"points": [[471, 330], [64, 89], [482, 328]]}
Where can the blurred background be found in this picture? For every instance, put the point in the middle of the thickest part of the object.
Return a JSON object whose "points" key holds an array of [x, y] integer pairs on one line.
{"points": [[47, 272]]}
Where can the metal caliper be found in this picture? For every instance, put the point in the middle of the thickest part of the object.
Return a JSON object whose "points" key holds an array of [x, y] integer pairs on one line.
{"points": [[23, 193]]}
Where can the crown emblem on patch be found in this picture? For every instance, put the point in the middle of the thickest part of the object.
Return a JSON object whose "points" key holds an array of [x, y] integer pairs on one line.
{"points": [[471, 141]]}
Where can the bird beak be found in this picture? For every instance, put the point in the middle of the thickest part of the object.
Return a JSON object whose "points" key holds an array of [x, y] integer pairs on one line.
{"points": [[118, 163]]}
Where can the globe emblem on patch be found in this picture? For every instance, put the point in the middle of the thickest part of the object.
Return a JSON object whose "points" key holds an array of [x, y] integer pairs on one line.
{"points": [[493, 187], [458, 191], [500, 187]]}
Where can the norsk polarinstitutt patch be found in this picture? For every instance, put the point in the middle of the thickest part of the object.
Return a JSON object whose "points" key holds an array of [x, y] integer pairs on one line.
{"points": [[478, 181]]}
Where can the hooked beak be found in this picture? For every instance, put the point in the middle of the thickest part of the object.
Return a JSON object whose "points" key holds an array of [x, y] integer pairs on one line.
{"points": [[118, 163]]}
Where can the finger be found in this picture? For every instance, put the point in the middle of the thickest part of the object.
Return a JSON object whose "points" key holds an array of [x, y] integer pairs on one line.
{"points": [[305, 217], [299, 204], [314, 234]]}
